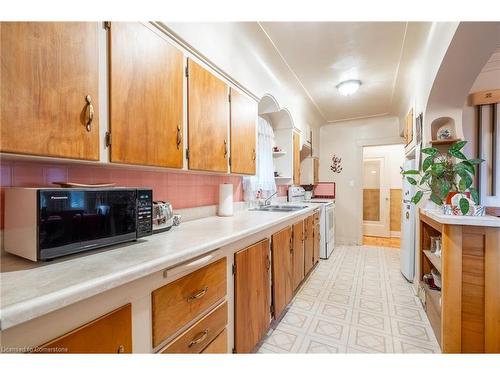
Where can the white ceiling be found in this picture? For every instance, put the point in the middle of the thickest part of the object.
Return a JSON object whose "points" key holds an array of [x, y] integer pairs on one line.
{"points": [[322, 54]]}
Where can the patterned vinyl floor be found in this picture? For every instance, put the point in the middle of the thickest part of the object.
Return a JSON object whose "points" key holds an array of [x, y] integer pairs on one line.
{"points": [[355, 302]]}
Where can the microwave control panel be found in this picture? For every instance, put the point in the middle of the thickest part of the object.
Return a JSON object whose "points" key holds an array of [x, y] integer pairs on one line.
{"points": [[144, 212]]}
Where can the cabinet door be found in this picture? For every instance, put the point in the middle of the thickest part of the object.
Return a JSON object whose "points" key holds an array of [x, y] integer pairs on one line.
{"points": [[49, 90], [146, 74], [208, 120], [308, 244], [317, 238], [298, 254], [282, 270], [296, 158], [111, 333], [243, 133], [251, 292]]}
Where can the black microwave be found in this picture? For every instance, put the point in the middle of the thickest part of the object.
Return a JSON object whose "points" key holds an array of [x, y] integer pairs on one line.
{"points": [[43, 224]]}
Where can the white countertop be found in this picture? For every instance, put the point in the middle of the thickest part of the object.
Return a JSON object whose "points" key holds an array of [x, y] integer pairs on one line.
{"points": [[29, 290], [479, 221]]}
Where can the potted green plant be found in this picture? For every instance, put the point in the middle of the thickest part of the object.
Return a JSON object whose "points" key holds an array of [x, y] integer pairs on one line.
{"points": [[444, 174]]}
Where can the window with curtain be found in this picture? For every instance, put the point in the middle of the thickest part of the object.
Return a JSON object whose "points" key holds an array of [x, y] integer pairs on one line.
{"points": [[264, 178]]}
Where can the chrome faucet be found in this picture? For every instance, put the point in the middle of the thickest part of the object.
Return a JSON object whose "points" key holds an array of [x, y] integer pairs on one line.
{"points": [[267, 202]]}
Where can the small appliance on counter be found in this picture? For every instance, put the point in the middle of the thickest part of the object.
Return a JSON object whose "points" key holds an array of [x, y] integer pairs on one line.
{"points": [[47, 223], [163, 216]]}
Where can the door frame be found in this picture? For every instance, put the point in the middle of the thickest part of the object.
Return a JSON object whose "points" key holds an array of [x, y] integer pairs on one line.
{"points": [[380, 228]]}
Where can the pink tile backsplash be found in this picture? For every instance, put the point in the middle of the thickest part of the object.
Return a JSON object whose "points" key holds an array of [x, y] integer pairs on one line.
{"points": [[183, 190]]}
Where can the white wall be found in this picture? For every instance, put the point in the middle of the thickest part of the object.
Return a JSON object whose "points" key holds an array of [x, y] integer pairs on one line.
{"points": [[243, 51], [394, 157], [346, 140]]}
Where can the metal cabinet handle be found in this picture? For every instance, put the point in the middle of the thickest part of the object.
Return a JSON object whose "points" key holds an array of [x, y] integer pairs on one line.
{"points": [[179, 136], [225, 148], [198, 294], [121, 349], [202, 336], [90, 113], [254, 155]]}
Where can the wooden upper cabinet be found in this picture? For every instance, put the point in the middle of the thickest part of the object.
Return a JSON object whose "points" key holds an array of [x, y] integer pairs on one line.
{"points": [[208, 120], [49, 89], [111, 333], [296, 158], [298, 254], [282, 270], [252, 291], [146, 97], [243, 133], [308, 243]]}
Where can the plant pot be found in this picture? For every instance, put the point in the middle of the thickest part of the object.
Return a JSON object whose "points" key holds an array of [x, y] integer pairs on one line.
{"points": [[451, 194]]}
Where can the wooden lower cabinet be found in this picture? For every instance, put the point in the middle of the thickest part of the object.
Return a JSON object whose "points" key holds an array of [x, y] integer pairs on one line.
{"points": [[298, 254], [281, 247], [218, 345], [465, 313], [201, 334], [111, 333], [176, 304], [252, 296], [308, 244]]}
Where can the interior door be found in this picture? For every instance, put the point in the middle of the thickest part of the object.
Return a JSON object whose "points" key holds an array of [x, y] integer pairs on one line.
{"points": [[243, 133], [252, 296], [146, 89], [282, 270], [298, 254], [49, 89], [308, 243], [208, 120], [376, 198]]}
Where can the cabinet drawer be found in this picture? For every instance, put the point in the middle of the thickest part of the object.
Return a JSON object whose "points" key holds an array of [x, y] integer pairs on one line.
{"points": [[111, 333], [218, 346], [197, 338], [316, 218], [176, 304]]}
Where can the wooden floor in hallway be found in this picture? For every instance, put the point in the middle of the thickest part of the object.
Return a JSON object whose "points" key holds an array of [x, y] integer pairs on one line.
{"points": [[382, 241]]}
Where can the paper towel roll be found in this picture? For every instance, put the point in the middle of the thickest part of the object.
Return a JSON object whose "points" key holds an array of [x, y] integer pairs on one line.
{"points": [[226, 200]]}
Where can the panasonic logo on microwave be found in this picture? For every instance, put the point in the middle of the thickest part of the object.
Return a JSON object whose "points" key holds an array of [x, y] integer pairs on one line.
{"points": [[52, 197]]}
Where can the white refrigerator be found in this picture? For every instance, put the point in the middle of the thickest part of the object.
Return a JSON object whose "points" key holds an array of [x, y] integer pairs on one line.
{"points": [[407, 256]]}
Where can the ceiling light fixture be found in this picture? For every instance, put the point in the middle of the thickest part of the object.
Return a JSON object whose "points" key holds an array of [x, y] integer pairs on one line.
{"points": [[349, 87]]}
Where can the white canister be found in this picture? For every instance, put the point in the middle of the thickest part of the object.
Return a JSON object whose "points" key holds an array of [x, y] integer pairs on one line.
{"points": [[225, 200]]}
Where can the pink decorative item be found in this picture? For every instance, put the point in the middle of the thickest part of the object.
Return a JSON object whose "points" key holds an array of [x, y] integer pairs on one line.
{"points": [[325, 190]]}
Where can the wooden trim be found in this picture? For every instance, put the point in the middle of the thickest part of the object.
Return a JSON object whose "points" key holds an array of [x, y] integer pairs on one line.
{"points": [[451, 327], [431, 222], [437, 142], [492, 291], [485, 97]]}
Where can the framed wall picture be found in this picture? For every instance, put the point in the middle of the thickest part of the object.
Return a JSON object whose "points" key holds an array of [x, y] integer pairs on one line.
{"points": [[409, 127], [418, 128]]}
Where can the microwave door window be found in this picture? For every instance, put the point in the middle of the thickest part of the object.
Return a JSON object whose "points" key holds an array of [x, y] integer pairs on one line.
{"points": [[78, 216]]}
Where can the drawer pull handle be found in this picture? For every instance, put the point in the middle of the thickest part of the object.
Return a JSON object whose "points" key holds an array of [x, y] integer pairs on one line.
{"points": [[179, 136], [121, 349], [198, 294], [202, 336]]}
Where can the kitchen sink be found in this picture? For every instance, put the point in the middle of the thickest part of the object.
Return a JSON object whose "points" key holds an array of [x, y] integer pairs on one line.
{"points": [[279, 208]]}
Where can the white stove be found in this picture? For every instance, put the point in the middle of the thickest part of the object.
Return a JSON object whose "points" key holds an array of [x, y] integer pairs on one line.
{"points": [[326, 218]]}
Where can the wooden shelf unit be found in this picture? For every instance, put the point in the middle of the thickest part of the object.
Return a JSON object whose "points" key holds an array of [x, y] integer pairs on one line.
{"points": [[465, 313], [436, 261], [437, 142]]}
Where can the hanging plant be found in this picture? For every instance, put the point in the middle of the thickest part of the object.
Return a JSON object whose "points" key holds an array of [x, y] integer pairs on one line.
{"points": [[336, 166], [442, 176]]}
